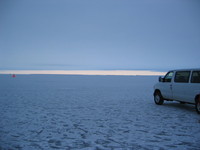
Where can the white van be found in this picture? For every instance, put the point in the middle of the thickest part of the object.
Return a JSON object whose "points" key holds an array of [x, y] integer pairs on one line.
{"points": [[179, 85]]}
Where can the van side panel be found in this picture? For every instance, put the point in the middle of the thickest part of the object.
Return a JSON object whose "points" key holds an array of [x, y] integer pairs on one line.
{"points": [[183, 92], [181, 86]]}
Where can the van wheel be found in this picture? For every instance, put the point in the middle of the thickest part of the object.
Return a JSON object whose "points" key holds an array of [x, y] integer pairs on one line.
{"points": [[197, 105], [158, 99]]}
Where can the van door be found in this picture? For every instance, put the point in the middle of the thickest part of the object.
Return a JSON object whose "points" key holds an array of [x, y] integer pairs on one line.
{"points": [[194, 85], [166, 87], [181, 86]]}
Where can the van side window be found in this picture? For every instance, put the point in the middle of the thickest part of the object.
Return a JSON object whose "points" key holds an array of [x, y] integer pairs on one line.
{"points": [[168, 77], [195, 77], [182, 76]]}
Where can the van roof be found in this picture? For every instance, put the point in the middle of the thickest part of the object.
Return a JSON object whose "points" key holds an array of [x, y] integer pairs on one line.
{"points": [[192, 69]]}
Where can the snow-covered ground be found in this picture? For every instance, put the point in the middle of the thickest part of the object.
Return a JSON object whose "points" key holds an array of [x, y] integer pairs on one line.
{"points": [[92, 113]]}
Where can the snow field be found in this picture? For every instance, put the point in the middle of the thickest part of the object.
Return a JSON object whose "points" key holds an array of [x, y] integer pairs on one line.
{"points": [[92, 113]]}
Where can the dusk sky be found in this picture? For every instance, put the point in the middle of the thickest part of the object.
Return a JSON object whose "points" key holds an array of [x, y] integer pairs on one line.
{"points": [[99, 34]]}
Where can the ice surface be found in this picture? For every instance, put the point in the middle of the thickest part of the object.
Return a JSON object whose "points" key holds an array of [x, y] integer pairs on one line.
{"points": [[91, 113]]}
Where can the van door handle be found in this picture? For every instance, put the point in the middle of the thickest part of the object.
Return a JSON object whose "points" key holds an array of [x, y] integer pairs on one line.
{"points": [[170, 86]]}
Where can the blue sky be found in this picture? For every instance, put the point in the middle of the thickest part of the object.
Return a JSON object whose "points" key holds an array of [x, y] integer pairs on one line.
{"points": [[99, 34]]}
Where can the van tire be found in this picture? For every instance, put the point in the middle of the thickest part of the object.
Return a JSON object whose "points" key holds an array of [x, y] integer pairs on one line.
{"points": [[158, 99], [197, 104]]}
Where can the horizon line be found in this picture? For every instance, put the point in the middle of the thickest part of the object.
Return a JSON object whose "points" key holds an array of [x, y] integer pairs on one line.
{"points": [[84, 72]]}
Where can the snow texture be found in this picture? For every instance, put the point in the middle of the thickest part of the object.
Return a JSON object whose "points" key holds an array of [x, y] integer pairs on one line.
{"points": [[46, 112]]}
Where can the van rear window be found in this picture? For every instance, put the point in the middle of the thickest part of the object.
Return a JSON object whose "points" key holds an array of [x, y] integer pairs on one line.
{"points": [[195, 77]]}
